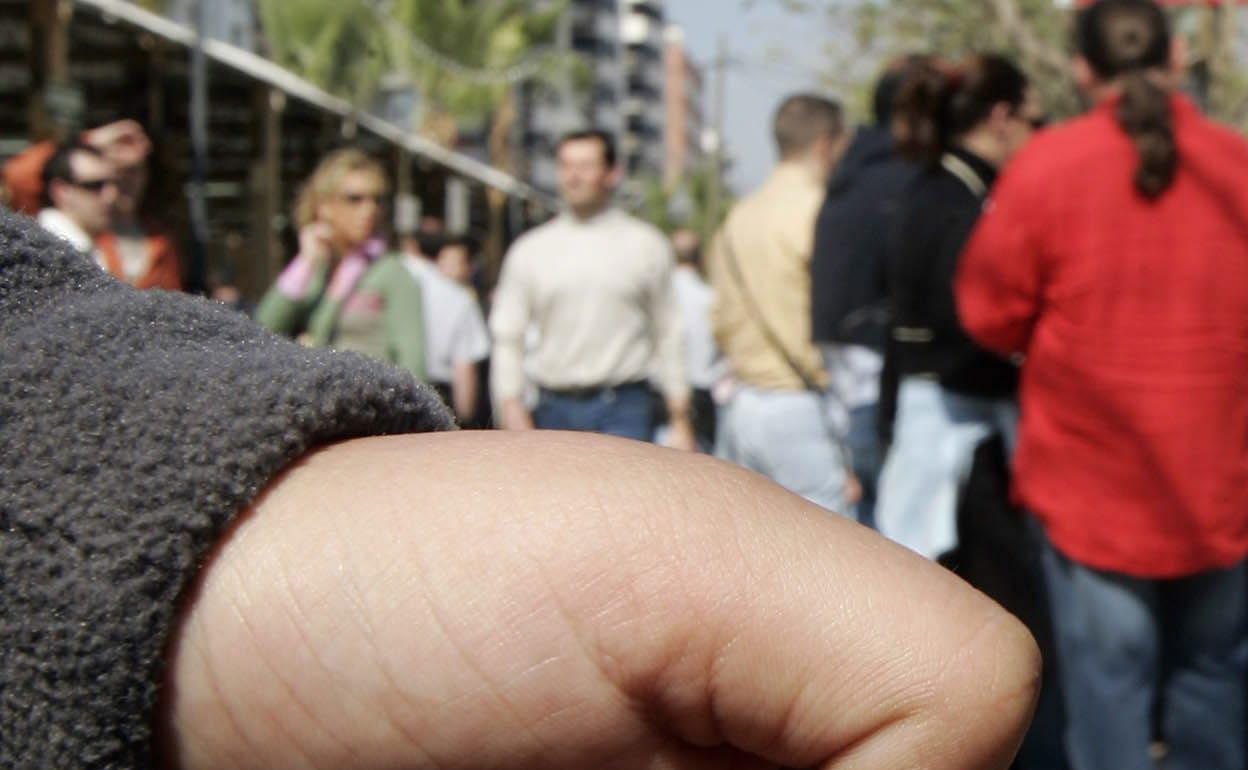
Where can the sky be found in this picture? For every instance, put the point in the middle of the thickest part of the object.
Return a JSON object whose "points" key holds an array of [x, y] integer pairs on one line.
{"points": [[777, 54]]}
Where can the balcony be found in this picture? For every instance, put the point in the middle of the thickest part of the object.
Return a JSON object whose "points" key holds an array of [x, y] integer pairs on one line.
{"points": [[642, 88], [651, 8], [592, 44], [642, 128]]}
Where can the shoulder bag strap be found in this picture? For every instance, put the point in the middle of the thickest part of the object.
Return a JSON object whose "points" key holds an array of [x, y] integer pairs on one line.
{"points": [[756, 313], [810, 383]]}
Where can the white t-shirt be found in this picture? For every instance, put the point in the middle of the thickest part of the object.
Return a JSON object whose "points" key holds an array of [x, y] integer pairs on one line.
{"points": [[703, 363], [66, 229], [455, 330], [853, 374]]}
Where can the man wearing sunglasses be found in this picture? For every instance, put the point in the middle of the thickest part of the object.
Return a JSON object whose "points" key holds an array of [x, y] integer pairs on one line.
{"points": [[79, 187]]}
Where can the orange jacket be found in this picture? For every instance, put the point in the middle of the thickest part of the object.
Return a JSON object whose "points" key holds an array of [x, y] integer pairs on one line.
{"points": [[23, 177], [164, 269]]}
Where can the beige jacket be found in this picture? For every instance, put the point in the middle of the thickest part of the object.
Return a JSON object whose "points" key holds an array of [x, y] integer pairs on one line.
{"points": [[772, 233]]}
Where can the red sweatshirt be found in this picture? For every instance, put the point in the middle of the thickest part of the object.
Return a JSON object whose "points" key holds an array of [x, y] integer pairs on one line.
{"points": [[1133, 316]]}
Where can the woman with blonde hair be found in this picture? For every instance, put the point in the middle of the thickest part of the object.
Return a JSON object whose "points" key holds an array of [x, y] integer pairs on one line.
{"points": [[343, 290]]}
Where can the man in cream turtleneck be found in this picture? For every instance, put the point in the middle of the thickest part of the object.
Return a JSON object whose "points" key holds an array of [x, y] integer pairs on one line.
{"points": [[595, 284]]}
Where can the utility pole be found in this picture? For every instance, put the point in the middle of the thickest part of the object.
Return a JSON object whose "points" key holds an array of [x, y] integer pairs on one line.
{"points": [[199, 152], [715, 187], [1224, 34], [56, 106]]}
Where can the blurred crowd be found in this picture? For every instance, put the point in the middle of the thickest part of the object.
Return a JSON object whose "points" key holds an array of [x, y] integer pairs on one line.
{"points": [[1015, 348]]}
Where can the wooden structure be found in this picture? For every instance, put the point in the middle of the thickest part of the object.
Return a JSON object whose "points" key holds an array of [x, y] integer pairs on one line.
{"points": [[68, 64]]}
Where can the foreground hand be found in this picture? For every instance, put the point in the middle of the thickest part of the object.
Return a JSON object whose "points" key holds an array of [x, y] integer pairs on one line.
{"points": [[529, 600]]}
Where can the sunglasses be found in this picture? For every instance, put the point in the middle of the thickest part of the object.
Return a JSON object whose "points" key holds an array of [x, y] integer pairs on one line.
{"points": [[94, 185], [355, 199]]}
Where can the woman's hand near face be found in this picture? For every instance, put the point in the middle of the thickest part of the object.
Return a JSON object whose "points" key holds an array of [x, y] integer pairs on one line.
{"points": [[315, 239]]}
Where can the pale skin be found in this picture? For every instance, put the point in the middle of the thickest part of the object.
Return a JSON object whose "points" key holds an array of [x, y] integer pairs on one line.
{"points": [[1004, 131], [87, 207], [440, 601], [586, 182], [464, 389], [821, 157], [346, 219]]}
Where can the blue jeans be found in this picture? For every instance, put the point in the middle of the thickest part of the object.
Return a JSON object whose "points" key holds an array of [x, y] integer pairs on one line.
{"points": [[1123, 642], [626, 410], [784, 435], [864, 443], [934, 442]]}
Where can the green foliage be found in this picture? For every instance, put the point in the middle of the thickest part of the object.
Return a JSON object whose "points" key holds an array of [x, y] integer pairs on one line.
{"points": [[865, 34], [462, 56], [332, 43], [685, 205], [1034, 33], [480, 35]]}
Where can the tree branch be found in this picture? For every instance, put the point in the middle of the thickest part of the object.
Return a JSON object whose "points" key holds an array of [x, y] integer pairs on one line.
{"points": [[1031, 45]]}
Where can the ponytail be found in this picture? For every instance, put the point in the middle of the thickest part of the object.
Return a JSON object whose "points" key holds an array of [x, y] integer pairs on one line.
{"points": [[919, 111], [1144, 113], [937, 103], [1129, 41]]}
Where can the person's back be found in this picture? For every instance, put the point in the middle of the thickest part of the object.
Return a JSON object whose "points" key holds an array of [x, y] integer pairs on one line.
{"points": [[847, 287], [848, 291], [770, 234], [1115, 257], [961, 122], [456, 339], [1138, 362], [694, 297], [704, 364], [777, 421]]}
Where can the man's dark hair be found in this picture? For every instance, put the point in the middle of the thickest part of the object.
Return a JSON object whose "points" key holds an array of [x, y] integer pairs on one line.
{"points": [[59, 167], [464, 240], [802, 119], [1129, 40], [604, 138], [429, 243]]}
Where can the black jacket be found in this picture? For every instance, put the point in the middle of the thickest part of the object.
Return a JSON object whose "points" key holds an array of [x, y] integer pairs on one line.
{"points": [[934, 224], [847, 267]]}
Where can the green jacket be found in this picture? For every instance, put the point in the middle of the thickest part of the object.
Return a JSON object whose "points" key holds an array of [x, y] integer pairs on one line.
{"points": [[396, 335]]}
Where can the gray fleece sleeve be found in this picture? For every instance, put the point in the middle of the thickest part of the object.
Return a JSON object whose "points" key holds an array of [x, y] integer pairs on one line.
{"points": [[133, 426]]}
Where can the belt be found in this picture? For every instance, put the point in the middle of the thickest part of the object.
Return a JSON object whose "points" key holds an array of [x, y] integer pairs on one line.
{"points": [[593, 391]]}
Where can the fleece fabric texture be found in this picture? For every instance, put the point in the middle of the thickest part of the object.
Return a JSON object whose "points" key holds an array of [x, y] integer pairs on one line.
{"points": [[133, 427]]}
